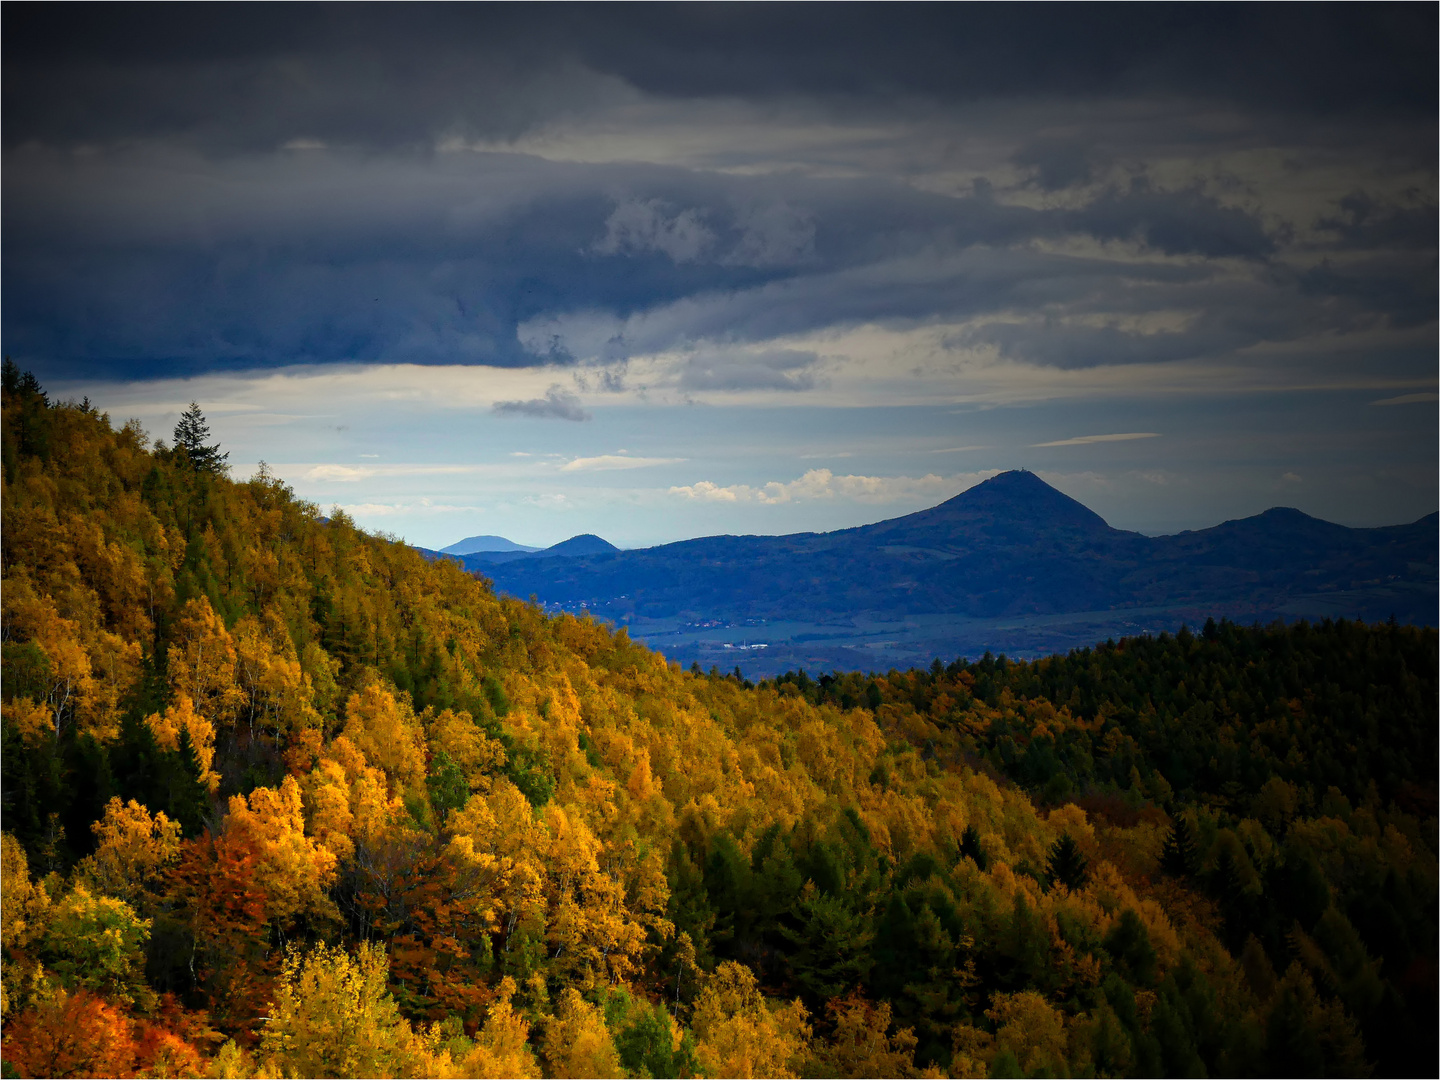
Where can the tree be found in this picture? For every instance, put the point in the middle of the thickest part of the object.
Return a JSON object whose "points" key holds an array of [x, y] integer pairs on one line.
{"points": [[861, 1044], [332, 1016], [577, 1043], [501, 1046], [67, 1034], [1066, 866], [1178, 859], [970, 847], [191, 433], [98, 943], [738, 1034]]}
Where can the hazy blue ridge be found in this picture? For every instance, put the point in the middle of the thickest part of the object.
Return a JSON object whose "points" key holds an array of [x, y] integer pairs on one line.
{"points": [[1011, 564], [472, 544]]}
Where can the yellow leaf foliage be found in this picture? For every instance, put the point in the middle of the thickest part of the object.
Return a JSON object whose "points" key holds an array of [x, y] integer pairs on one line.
{"points": [[133, 849], [33, 721], [577, 1042], [387, 732], [738, 1034], [1031, 1029], [292, 869], [202, 663], [333, 1016], [182, 716], [501, 1047]]}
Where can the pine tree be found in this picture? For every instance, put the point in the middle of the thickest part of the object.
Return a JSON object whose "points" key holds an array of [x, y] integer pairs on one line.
{"points": [[192, 433], [1178, 857], [1066, 866], [970, 846]]}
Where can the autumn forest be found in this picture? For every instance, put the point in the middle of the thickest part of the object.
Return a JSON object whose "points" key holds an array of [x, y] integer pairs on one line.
{"points": [[283, 798]]}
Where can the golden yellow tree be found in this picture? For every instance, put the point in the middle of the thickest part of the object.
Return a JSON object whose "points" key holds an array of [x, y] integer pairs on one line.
{"points": [[501, 1047], [1030, 1028], [202, 663], [387, 732], [861, 1044], [737, 1033], [292, 868], [333, 1016], [133, 851], [182, 716], [577, 1042]]}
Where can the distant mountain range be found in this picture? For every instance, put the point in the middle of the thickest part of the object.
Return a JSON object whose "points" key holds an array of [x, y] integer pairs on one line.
{"points": [[474, 544], [1010, 565], [482, 552]]}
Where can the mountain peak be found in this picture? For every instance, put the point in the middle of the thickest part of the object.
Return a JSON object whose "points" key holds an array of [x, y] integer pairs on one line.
{"points": [[1010, 506], [584, 544], [1022, 497], [474, 544]]}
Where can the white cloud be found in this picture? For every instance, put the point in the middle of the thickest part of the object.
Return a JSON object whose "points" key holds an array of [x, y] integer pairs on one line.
{"points": [[422, 506], [1086, 440], [824, 484], [344, 474], [615, 461], [713, 492]]}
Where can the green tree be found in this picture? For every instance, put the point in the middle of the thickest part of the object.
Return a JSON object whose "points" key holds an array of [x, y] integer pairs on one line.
{"points": [[193, 433], [1178, 858], [970, 847], [1066, 866]]}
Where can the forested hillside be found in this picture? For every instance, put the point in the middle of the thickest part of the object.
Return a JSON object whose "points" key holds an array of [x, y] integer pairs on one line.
{"points": [[284, 798]]}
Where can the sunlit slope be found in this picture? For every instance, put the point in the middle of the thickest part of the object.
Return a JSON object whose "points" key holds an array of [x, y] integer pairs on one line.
{"points": [[233, 729]]}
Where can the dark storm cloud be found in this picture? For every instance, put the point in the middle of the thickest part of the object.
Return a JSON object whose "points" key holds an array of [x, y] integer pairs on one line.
{"points": [[191, 187], [1058, 163], [1175, 222], [386, 74], [1365, 222]]}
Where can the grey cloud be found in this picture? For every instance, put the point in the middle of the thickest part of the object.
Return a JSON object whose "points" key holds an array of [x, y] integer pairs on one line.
{"points": [[1406, 295], [772, 369], [557, 404], [1364, 222], [1175, 222], [151, 226], [638, 226], [389, 75], [1057, 163], [774, 234]]}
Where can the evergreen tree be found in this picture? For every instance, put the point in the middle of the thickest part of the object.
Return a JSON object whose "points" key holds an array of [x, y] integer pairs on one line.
{"points": [[192, 433], [1178, 858], [970, 847], [1066, 866]]}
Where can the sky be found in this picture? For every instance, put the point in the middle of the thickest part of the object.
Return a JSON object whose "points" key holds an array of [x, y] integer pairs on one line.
{"points": [[655, 272]]}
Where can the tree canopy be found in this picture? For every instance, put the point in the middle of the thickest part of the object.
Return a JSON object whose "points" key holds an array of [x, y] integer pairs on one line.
{"points": [[284, 797]]}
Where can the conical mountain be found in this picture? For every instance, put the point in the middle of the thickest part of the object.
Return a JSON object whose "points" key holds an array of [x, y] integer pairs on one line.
{"points": [[1013, 507]]}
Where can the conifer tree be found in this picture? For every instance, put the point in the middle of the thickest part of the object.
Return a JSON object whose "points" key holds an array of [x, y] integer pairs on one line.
{"points": [[193, 433], [1066, 866], [1178, 857], [970, 846]]}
